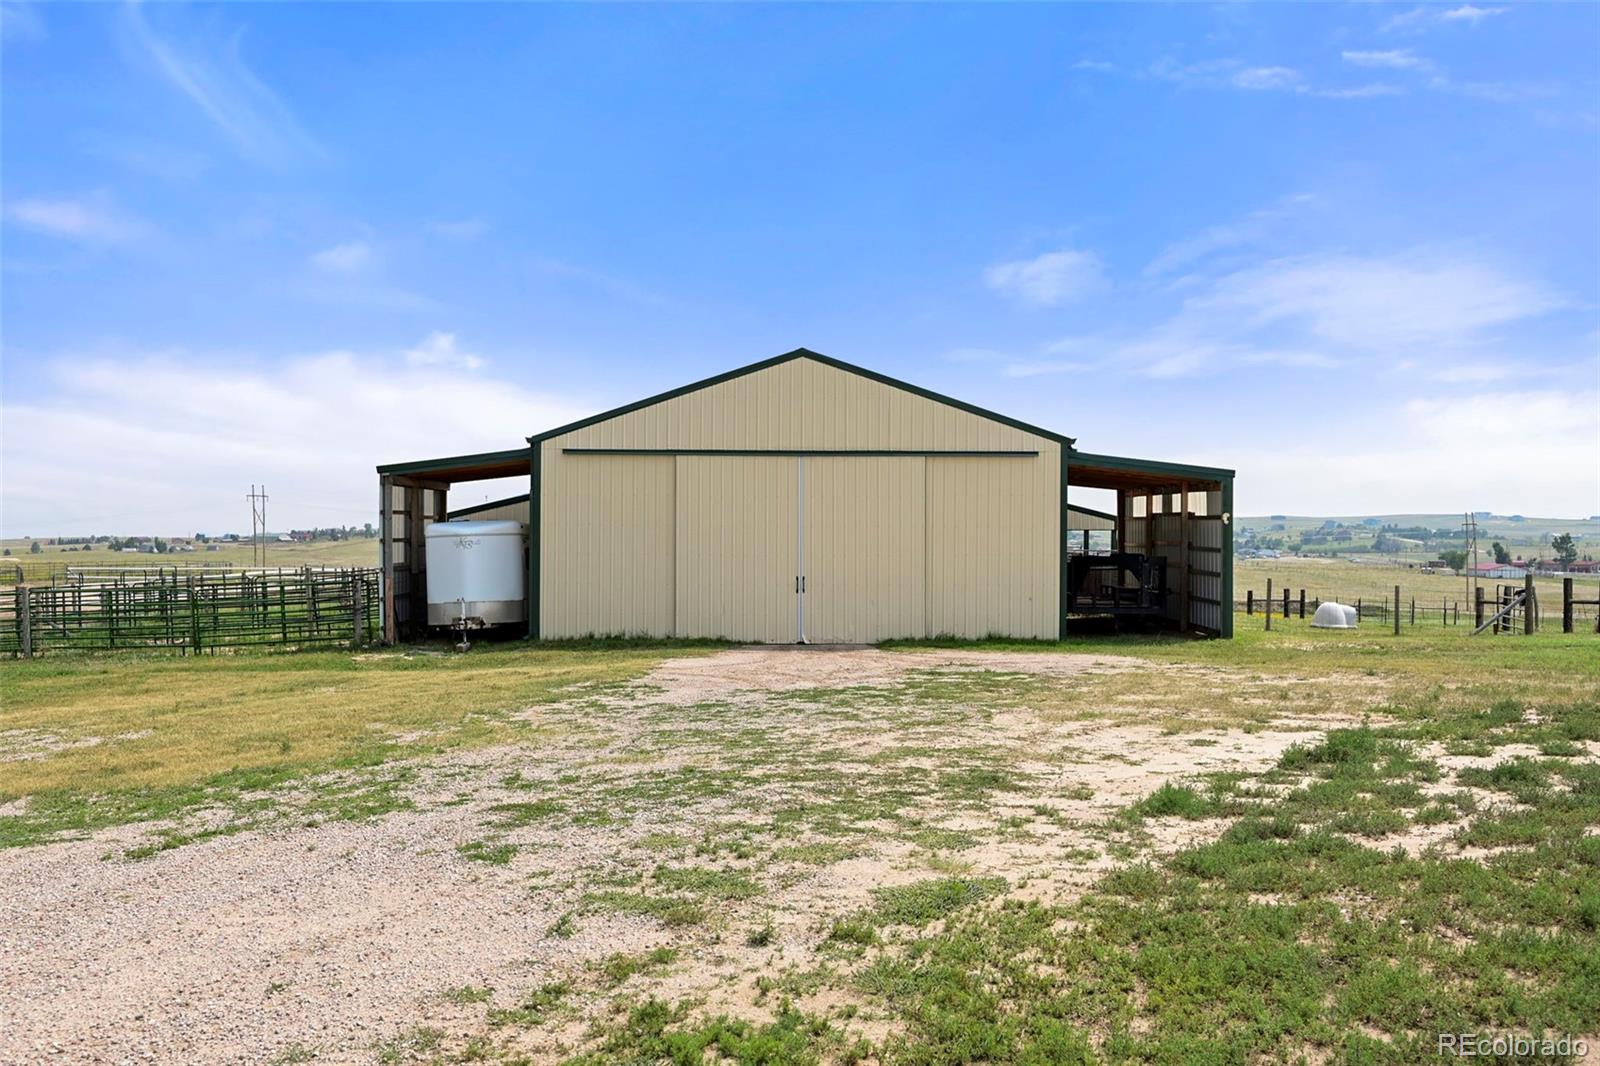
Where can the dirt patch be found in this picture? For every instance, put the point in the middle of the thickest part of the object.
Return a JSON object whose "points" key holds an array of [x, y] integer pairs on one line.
{"points": [[764, 793]]}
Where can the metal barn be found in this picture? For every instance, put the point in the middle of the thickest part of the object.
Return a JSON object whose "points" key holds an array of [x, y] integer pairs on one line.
{"points": [[803, 499]]}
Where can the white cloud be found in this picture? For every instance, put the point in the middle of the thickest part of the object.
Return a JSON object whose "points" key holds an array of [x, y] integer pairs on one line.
{"points": [[1377, 303], [1391, 59], [1099, 65], [167, 443], [1266, 78], [439, 349], [352, 257], [1247, 230], [92, 219], [210, 71], [1469, 14], [1430, 460], [1049, 280]]}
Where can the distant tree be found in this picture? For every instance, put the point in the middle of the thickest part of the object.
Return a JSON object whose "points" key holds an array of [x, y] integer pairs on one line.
{"points": [[1455, 558], [1566, 549], [34, 549], [366, 530], [1501, 556], [161, 546], [8, 551]]}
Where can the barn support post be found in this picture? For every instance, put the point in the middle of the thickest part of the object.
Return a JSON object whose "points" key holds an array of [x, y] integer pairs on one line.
{"points": [[385, 560], [535, 486], [1227, 557], [1183, 558]]}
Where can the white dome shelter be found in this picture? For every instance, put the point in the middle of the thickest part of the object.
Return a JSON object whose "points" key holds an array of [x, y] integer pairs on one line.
{"points": [[1335, 616]]}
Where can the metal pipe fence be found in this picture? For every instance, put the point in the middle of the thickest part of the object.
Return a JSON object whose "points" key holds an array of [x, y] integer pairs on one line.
{"points": [[193, 613], [1574, 613]]}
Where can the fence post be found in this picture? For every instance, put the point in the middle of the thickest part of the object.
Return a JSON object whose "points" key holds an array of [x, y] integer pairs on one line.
{"points": [[25, 620], [358, 612], [1302, 604], [1477, 608], [1397, 610], [1268, 605], [1286, 603], [1249, 601], [1413, 610], [1530, 605], [1566, 605], [194, 617]]}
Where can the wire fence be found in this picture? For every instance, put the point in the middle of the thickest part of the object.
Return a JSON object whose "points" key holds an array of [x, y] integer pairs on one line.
{"points": [[1583, 613], [193, 613], [55, 572]]}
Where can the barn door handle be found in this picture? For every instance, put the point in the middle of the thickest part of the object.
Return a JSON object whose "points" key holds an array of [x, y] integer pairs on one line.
{"points": [[802, 582], [797, 584]]}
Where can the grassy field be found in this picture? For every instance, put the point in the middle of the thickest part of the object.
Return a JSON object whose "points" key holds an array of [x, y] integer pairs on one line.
{"points": [[1375, 581], [1293, 845], [360, 552]]}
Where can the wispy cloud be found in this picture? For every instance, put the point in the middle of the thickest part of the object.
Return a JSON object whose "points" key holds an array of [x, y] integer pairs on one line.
{"points": [[1389, 59], [90, 219], [1048, 280], [1231, 73], [1311, 312], [211, 73], [352, 257], [1378, 303], [21, 22], [1247, 230], [1469, 14], [464, 229], [440, 349], [1420, 18]]}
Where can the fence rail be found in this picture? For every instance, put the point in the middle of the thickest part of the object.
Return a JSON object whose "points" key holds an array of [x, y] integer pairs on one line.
{"points": [[1574, 613], [193, 613]]}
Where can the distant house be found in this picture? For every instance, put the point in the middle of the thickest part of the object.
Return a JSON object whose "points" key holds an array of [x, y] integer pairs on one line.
{"points": [[1498, 570], [1584, 566]]}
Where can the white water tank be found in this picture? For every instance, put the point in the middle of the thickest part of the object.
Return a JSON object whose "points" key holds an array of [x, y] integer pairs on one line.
{"points": [[477, 571], [1335, 616]]}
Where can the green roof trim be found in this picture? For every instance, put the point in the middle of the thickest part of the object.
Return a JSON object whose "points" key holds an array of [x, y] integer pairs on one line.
{"points": [[1148, 466], [804, 353], [491, 505], [456, 462]]}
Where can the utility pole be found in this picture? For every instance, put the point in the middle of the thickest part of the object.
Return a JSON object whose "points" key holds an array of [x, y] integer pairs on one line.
{"points": [[1469, 526], [258, 525]]}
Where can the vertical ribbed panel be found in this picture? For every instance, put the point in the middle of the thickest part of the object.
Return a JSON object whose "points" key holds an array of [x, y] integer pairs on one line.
{"points": [[864, 548], [606, 561], [994, 529], [736, 528]]}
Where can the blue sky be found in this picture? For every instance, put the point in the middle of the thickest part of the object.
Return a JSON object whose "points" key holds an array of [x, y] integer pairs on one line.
{"points": [[1331, 246]]}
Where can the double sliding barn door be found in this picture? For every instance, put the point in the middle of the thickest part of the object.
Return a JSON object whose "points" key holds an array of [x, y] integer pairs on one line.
{"points": [[801, 548]]}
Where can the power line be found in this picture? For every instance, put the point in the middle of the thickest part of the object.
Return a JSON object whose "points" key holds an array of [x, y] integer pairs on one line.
{"points": [[258, 525]]}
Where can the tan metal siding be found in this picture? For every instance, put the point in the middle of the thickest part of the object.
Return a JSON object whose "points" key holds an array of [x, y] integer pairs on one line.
{"points": [[864, 547], [515, 512], [802, 404], [736, 528], [606, 560], [994, 528]]}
